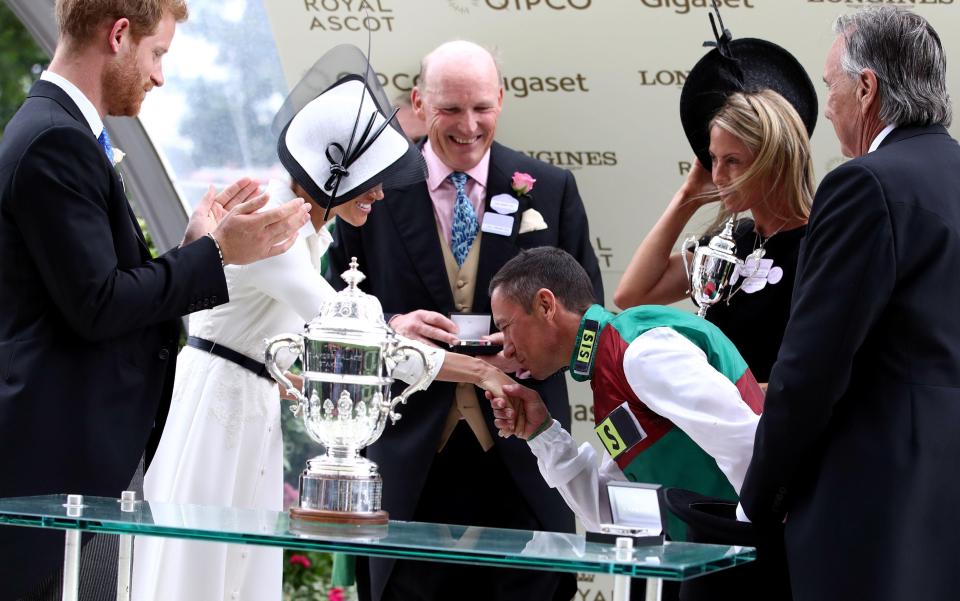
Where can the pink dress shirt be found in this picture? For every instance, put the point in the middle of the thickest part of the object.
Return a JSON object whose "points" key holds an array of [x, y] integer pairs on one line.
{"points": [[444, 194]]}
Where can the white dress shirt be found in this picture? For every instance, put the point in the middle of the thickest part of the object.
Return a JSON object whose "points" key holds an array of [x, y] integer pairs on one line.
{"points": [[79, 98]]}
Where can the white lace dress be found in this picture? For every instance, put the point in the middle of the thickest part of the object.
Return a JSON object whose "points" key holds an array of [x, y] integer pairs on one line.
{"points": [[222, 443]]}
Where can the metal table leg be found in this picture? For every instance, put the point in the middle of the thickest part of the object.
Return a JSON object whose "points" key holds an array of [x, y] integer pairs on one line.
{"points": [[654, 589], [621, 584], [71, 552], [128, 499]]}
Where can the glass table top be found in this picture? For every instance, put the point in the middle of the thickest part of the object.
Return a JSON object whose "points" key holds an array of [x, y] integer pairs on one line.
{"points": [[412, 540]]}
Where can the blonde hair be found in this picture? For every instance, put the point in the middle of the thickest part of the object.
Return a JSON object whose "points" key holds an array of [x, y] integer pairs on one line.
{"points": [[770, 127], [79, 19]]}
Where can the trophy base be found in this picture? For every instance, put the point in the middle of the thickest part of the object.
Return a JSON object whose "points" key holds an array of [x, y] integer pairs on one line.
{"points": [[337, 498], [375, 518]]}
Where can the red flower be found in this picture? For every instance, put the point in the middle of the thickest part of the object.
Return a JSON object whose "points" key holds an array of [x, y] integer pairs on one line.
{"points": [[300, 560], [335, 594]]}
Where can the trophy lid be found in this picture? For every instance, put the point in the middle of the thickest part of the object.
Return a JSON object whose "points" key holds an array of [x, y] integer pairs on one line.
{"points": [[351, 315], [724, 242]]}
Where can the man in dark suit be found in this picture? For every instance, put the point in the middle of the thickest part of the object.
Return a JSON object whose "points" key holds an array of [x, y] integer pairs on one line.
{"points": [[88, 321], [857, 446], [428, 250]]}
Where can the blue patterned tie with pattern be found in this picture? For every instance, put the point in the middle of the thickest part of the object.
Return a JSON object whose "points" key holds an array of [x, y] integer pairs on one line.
{"points": [[464, 219], [104, 140]]}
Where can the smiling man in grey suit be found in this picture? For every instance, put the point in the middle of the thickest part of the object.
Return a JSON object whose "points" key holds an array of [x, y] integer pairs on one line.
{"points": [[426, 255]]}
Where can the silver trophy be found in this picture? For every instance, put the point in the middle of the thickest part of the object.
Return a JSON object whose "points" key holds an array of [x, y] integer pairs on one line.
{"points": [[348, 354], [712, 266]]}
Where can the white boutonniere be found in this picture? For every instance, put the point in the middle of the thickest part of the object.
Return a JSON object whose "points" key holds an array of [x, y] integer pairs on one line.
{"points": [[117, 156]]}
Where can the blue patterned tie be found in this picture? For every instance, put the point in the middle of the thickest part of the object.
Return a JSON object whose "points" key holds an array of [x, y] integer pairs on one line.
{"points": [[104, 140], [464, 219]]}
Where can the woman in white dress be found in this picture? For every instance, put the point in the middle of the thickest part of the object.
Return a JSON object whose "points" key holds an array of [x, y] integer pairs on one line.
{"points": [[221, 445]]}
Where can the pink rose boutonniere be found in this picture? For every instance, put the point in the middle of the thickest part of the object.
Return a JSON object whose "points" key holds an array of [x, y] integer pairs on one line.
{"points": [[522, 183]]}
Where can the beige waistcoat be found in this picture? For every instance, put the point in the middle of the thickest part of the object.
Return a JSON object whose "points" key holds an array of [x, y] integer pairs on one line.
{"points": [[463, 282]]}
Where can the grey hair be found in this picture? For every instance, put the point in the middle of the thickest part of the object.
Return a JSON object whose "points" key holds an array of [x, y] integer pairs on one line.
{"points": [[905, 52]]}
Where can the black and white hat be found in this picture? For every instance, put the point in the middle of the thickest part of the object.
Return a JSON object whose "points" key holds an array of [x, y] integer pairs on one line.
{"points": [[337, 136], [742, 65]]}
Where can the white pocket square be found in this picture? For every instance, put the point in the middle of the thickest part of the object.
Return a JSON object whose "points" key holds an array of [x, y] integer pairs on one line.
{"points": [[531, 221]]}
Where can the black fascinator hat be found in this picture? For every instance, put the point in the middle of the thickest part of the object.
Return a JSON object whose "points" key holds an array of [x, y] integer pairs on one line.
{"points": [[743, 65], [337, 136]]}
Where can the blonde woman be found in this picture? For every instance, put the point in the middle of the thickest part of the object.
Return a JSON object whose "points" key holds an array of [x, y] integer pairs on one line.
{"points": [[760, 162]]}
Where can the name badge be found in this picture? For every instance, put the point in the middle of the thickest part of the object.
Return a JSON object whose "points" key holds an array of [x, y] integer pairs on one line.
{"points": [[504, 204], [495, 223], [620, 431]]}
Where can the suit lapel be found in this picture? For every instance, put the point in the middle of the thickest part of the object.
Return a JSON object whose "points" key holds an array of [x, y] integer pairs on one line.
{"points": [[411, 210], [496, 250], [45, 89]]}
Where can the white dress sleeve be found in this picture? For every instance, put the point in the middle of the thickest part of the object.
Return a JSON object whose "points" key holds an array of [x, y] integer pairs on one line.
{"points": [[575, 473], [672, 376], [409, 370], [291, 277]]}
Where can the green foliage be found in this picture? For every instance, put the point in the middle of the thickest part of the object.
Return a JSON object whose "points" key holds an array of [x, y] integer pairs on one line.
{"points": [[21, 62], [148, 237]]}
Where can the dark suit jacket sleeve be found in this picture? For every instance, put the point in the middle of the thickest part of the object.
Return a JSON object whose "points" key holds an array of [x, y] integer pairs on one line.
{"points": [[575, 233], [845, 277], [60, 203]]}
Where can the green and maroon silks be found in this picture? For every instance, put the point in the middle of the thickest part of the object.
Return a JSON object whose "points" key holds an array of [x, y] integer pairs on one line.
{"points": [[665, 455]]}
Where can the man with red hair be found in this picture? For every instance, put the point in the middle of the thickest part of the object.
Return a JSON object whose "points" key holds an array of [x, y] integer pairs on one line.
{"points": [[89, 322]]}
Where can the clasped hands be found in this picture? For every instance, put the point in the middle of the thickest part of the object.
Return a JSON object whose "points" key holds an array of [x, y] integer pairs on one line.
{"points": [[244, 233], [519, 411]]}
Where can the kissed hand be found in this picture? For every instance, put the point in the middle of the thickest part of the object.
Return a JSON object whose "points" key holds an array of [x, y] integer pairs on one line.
{"points": [[506, 364], [493, 380], [520, 412]]}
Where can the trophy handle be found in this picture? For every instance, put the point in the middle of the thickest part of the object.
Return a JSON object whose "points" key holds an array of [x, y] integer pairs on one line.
{"points": [[690, 245], [295, 344], [420, 384]]}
